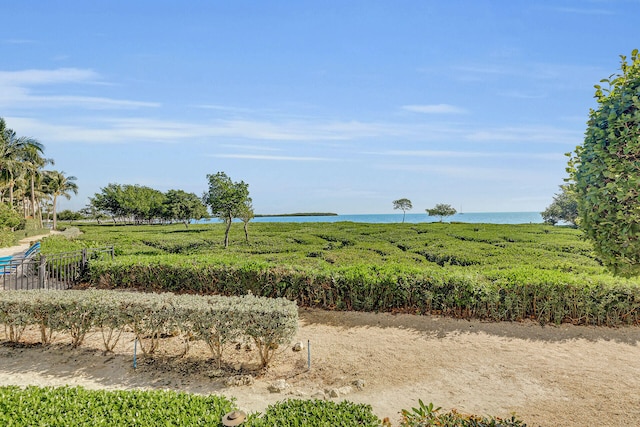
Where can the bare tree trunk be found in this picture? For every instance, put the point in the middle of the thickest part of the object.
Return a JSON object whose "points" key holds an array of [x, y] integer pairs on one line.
{"points": [[10, 189], [33, 198], [55, 216], [226, 233]]}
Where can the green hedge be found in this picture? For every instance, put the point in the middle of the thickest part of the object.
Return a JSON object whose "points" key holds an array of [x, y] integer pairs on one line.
{"points": [[76, 406], [516, 294], [216, 320]]}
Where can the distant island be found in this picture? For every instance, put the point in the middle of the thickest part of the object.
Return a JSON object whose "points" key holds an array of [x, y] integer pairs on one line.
{"points": [[298, 214]]}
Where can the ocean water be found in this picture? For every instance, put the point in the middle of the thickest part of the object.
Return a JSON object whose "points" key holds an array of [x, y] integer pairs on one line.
{"points": [[471, 217]]}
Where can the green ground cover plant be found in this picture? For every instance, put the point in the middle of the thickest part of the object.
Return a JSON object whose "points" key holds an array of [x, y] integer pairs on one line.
{"points": [[497, 272], [77, 406]]}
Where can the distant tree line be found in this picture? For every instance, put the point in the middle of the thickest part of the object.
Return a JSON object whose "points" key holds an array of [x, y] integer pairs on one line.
{"points": [[140, 204]]}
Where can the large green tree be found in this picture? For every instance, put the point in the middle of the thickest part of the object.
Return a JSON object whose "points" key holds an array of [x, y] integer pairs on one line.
{"points": [[110, 200], [182, 206], [404, 204], [59, 184], [226, 199], [605, 171]]}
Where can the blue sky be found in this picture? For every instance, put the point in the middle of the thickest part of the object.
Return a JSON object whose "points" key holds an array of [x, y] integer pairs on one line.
{"points": [[331, 106]]}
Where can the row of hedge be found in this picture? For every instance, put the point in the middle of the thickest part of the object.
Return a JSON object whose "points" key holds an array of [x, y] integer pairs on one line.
{"points": [[76, 406], [499, 295], [216, 320]]}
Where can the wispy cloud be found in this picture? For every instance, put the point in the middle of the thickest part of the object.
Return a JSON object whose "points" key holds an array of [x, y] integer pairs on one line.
{"points": [[474, 174], [524, 95], [248, 147], [469, 154], [17, 41], [132, 130], [434, 109], [526, 134], [554, 74], [278, 158], [16, 90], [583, 11], [39, 77]]}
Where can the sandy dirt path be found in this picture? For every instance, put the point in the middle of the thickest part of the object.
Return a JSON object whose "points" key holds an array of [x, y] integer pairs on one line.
{"points": [[24, 244], [550, 376]]}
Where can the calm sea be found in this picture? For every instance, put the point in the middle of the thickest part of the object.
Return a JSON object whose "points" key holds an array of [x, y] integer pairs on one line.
{"points": [[471, 217]]}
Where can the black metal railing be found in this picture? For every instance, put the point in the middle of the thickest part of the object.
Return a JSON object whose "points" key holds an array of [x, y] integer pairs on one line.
{"points": [[56, 271]]}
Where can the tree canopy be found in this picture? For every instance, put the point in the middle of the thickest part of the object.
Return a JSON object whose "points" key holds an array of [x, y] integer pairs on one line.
{"points": [[404, 204], [441, 210], [226, 199], [605, 171]]}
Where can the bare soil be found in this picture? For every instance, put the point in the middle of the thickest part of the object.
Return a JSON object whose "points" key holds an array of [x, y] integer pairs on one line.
{"points": [[549, 376]]}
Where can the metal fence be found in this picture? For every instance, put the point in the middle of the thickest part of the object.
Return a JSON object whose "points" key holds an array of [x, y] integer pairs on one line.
{"points": [[57, 271]]}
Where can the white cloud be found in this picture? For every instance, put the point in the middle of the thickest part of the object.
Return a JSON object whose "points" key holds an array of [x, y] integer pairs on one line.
{"points": [[434, 109]]}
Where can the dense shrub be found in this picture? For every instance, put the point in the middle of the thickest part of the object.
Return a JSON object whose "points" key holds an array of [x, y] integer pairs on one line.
{"points": [[214, 319]]}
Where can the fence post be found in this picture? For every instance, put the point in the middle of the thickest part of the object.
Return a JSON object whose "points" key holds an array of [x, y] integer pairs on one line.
{"points": [[42, 272], [84, 258]]}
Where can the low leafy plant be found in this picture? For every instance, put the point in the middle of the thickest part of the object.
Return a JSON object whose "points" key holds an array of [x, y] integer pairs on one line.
{"points": [[427, 415], [316, 413]]}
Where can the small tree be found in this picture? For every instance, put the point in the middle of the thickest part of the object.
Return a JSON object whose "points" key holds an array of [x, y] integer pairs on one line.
{"points": [[404, 204], [563, 208], [442, 211], [246, 214], [605, 171], [225, 198]]}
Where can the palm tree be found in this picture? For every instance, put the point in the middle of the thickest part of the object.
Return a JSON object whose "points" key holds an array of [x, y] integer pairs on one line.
{"points": [[58, 184], [11, 149], [33, 164]]}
